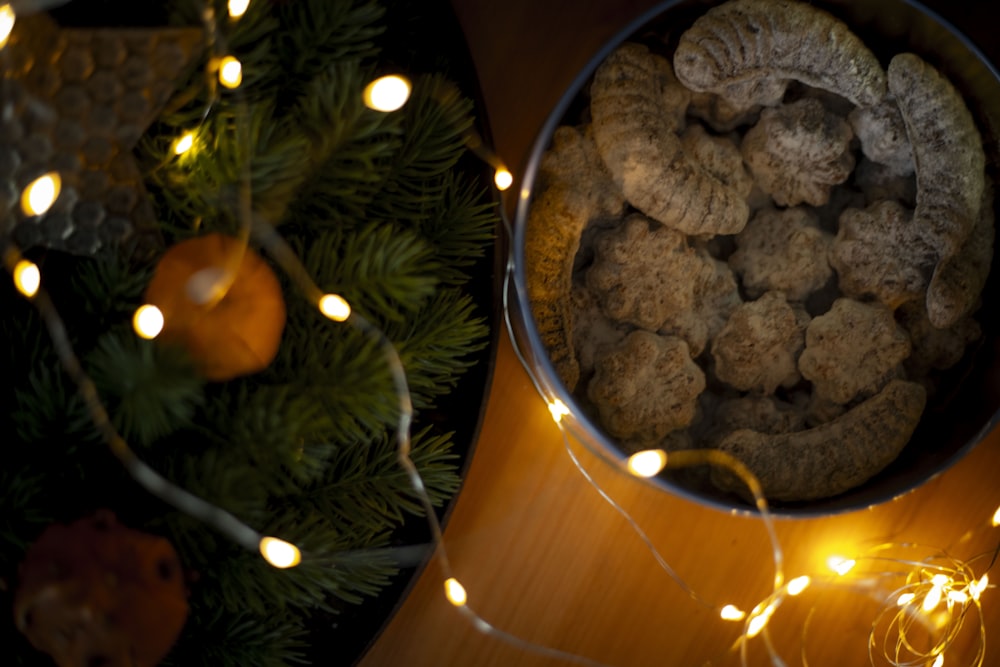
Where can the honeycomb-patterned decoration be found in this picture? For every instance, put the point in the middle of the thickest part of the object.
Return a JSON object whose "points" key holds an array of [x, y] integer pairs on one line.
{"points": [[76, 101]]}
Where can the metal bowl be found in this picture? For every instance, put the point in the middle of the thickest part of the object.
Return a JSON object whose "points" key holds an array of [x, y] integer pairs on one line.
{"points": [[965, 407]]}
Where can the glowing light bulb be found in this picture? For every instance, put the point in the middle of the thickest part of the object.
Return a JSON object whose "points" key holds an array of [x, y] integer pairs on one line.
{"points": [[41, 194], [759, 620], [933, 599], [455, 592], [387, 93], [797, 585], [279, 553], [335, 307], [503, 178], [940, 580], [647, 463], [27, 278], [905, 599], [230, 72], [184, 143], [7, 19], [147, 321], [840, 565], [939, 661], [732, 613], [958, 597], [976, 588], [996, 518], [238, 8], [558, 410]]}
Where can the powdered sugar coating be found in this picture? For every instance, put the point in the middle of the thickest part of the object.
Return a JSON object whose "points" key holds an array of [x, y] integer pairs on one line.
{"points": [[831, 458], [880, 252], [783, 250], [646, 386], [758, 348], [798, 152], [853, 350], [748, 50], [637, 139]]}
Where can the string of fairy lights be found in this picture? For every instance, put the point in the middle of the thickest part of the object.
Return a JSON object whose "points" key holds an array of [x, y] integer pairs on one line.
{"points": [[933, 594]]}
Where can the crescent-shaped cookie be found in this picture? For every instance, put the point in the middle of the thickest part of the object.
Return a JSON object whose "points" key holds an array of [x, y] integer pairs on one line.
{"points": [[747, 51], [832, 458], [947, 152], [636, 136]]}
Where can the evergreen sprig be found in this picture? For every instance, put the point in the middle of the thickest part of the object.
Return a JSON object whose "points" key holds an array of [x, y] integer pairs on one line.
{"points": [[345, 372], [380, 268], [380, 210], [284, 434], [460, 225], [153, 389], [367, 486], [240, 639], [247, 582], [24, 512], [317, 35], [48, 408], [438, 344]]}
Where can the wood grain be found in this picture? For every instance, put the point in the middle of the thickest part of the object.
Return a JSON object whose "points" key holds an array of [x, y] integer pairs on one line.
{"points": [[545, 558]]}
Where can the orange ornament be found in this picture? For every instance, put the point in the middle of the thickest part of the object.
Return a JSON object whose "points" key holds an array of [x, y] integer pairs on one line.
{"points": [[97, 593], [222, 302]]}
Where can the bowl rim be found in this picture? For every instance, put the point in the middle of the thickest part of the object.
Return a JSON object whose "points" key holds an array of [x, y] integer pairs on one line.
{"points": [[544, 375]]}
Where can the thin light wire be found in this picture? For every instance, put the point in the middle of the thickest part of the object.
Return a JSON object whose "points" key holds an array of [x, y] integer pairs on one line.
{"points": [[282, 253], [678, 459], [149, 479]]}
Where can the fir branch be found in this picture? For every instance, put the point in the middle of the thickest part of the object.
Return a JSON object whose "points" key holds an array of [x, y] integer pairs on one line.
{"points": [[342, 370], [320, 34], [21, 329], [438, 344], [24, 512], [109, 290], [327, 569], [200, 189], [435, 121], [221, 476], [285, 434], [153, 389], [380, 268], [459, 224], [366, 486], [352, 148], [47, 408], [241, 639]]}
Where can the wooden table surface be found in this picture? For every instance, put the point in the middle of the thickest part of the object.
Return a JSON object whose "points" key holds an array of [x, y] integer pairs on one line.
{"points": [[543, 557]]}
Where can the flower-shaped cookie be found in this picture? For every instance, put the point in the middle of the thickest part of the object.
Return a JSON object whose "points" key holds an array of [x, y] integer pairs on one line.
{"points": [[573, 160], [758, 348], [646, 387], [715, 295], [853, 350], [783, 250], [879, 252], [644, 273], [798, 152]]}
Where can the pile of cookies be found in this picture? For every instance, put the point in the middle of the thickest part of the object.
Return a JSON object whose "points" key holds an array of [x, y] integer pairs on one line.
{"points": [[763, 242]]}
